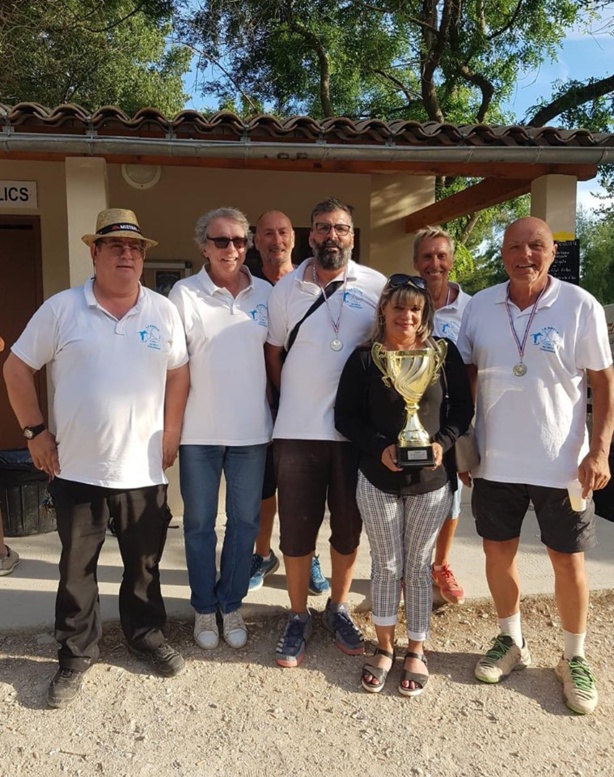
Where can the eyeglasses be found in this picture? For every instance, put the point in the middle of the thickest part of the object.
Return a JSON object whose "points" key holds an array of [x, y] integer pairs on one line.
{"points": [[117, 249], [399, 279], [223, 242], [323, 228]]}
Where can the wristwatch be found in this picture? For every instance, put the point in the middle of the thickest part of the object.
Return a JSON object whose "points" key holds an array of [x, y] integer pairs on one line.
{"points": [[30, 432]]}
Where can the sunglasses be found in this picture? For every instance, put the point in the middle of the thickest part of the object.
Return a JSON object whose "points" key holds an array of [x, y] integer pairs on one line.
{"points": [[399, 279], [223, 242]]}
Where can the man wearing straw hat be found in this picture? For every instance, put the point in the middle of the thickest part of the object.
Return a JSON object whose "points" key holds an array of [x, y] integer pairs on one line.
{"points": [[118, 362]]}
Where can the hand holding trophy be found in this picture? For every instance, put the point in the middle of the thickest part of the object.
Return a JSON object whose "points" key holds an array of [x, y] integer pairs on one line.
{"points": [[410, 373]]}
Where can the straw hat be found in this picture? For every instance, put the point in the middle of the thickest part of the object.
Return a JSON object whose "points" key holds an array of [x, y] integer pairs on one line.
{"points": [[118, 222]]}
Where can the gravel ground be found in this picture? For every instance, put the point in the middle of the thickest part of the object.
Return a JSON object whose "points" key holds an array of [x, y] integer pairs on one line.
{"points": [[237, 713]]}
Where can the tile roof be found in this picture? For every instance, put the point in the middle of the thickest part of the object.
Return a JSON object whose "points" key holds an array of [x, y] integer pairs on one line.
{"points": [[110, 121]]}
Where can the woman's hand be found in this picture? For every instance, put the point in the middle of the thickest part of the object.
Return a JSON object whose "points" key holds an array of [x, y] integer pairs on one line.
{"points": [[437, 455], [389, 458]]}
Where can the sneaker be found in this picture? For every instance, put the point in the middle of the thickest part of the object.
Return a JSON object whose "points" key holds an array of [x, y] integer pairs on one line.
{"points": [[449, 587], [290, 650], [261, 568], [579, 686], [235, 631], [64, 688], [318, 584], [206, 632], [503, 658], [164, 659], [348, 637], [8, 562]]}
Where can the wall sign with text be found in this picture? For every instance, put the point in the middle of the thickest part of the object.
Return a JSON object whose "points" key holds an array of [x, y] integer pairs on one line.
{"points": [[566, 265], [18, 194]]}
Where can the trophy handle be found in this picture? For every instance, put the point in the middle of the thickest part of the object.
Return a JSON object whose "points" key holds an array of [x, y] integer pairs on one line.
{"points": [[377, 354], [440, 348]]}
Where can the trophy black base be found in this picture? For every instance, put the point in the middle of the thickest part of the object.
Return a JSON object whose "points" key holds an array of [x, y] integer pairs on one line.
{"points": [[415, 457]]}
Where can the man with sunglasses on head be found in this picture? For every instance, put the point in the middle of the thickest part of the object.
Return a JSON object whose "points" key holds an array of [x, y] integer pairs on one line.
{"points": [[307, 348], [119, 366]]}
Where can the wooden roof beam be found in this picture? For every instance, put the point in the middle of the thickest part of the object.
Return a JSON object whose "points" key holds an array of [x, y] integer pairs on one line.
{"points": [[491, 191]]}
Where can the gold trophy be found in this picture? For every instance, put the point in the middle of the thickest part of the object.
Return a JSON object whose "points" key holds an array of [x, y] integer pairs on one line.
{"points": [[411, 373]]}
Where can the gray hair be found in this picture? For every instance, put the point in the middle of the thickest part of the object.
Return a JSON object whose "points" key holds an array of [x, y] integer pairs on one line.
{"points": [[430, 233], [233, 214]]}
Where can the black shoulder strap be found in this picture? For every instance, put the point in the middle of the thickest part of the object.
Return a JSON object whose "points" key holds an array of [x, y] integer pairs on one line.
{"points": [[326, 293]]}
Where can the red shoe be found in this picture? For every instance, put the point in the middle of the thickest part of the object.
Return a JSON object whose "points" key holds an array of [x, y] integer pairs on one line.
{"points": [[449, 587]]}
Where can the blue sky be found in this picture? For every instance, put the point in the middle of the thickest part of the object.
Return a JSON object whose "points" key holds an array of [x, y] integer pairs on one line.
{"points": [[586, 52]]}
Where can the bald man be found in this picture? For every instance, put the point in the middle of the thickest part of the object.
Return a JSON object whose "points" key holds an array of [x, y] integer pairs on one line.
{"points": [[531, 344], [274, 240]]}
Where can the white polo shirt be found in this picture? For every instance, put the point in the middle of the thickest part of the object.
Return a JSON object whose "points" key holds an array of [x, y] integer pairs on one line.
{"points": [[109, 377], [227, 403], [447, 320], [311, 372], [532, 429]]}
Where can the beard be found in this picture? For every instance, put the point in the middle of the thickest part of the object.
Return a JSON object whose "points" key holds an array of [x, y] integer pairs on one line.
{"points": [[332, 260]]}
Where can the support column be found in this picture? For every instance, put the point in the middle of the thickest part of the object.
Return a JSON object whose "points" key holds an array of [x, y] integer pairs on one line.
{"points": [[393, 197], [553, 199], [86, 195]]}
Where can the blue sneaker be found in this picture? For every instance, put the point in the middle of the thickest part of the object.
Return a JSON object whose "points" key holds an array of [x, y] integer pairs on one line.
{"points": [[348, 637], [318, 584], [261, 568], [290, 650]]}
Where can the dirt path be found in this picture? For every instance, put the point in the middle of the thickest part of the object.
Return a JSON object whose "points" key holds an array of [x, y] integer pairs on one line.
{"points": [[236, 713]]}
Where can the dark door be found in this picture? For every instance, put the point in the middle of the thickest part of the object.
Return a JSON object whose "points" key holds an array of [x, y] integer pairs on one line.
{"points": [[21, 294]]}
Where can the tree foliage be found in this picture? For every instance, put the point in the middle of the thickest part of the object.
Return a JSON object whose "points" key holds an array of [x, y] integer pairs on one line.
{"points": [[91, 52], [596, 235]]}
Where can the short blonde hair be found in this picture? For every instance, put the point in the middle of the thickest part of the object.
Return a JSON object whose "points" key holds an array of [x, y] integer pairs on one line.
{"points": [[430, 233], [405, 295]]}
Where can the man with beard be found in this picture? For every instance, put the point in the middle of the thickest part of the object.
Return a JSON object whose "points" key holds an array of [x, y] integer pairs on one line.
{"points": [[306, 350]]}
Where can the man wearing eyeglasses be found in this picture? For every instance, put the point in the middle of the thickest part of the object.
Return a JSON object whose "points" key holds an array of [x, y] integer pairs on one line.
{"points": [[306, 350], [118, 361]]}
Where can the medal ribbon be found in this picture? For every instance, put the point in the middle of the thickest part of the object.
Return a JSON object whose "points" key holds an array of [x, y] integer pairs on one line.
{"points": [[335, 324], [521, 346]]}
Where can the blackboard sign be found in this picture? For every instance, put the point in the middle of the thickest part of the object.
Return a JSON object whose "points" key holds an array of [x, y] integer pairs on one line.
{"points": [[566, 265]]}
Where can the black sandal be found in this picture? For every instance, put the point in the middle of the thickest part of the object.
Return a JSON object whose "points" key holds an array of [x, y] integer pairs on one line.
{"points": [[418, 678], [378, 672]]}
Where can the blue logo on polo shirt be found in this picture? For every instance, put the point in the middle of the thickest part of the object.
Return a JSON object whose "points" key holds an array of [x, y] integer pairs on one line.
{"points": [[547, 339], [151, 336], [451, 330], [354, 298], [260, 315]]}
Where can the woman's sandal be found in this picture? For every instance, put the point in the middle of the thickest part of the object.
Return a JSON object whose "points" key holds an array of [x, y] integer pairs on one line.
{"points": [[378, 672], [418, 678]]}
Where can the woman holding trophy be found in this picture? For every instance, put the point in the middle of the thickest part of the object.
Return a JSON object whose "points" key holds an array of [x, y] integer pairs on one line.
{"points": [[393, 404]]}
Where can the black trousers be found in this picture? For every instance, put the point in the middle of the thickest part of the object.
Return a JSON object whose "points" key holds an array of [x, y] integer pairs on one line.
{"points": [[141, 517]]}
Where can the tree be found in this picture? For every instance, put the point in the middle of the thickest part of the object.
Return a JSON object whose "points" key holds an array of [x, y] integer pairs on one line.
{"points": [[91, 52], [596, 235]]}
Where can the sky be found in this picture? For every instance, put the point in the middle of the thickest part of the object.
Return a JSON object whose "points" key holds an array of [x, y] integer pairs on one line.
{"points": [[585, 53]]}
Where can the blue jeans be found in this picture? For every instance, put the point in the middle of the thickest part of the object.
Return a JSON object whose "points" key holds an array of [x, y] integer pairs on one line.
{"points": [[200, 473]]}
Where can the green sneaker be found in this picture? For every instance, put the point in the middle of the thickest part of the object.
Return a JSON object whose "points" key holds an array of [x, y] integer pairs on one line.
{"points": [[579, 686], [503, 658]]}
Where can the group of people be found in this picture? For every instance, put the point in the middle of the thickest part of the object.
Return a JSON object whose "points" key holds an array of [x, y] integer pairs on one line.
{"points": [[234, 359]]}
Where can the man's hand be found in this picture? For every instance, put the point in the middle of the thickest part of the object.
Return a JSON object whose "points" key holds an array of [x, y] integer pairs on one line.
{"points": [[465, 479], [170, 446], [593, 472], [44, 452]]}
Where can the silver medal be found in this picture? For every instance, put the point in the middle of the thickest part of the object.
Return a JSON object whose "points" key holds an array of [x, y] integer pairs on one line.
{"points": [[520, 369], [336, 344]]}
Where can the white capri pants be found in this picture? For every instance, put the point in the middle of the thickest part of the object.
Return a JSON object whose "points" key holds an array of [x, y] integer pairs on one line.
{"points": [[402, 532]]}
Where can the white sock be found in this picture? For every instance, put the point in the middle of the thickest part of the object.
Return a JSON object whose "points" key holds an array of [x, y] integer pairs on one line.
{"points": [[512, 627], [267, 557], [574, 644]]}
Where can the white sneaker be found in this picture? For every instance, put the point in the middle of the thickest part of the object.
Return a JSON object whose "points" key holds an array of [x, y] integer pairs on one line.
{"points": [[206, 632], [235, 631], [8, 562]]}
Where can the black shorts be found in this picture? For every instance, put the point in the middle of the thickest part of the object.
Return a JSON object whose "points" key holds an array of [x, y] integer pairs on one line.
{"points": [[499, 510], [269, 485], [310, 474]]}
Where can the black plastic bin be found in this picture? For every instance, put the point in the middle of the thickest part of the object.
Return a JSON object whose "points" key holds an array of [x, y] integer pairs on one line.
{"points": [[23, 496]]}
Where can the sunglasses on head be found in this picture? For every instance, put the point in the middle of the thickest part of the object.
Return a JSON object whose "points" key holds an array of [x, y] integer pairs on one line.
{"points": [[399, 279], [224, 242]]}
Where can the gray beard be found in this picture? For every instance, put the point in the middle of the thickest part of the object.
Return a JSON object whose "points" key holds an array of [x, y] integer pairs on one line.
{"points": [[329, 260]]}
